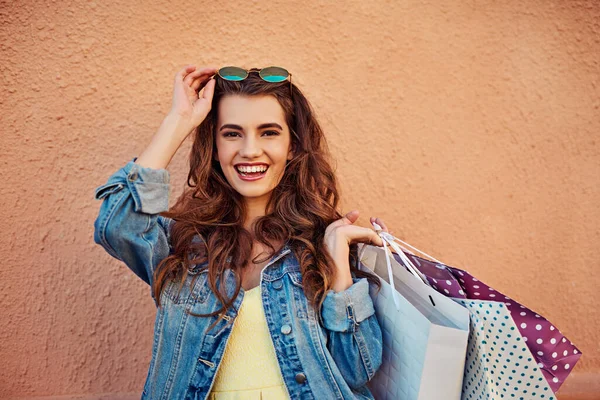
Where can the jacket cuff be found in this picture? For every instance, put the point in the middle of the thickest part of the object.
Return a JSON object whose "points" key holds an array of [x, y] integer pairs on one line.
{"points": [[149, 187], [343, 311]]}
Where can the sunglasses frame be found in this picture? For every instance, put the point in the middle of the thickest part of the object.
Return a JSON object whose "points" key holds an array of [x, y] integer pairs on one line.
{"points": [[259, 70]]}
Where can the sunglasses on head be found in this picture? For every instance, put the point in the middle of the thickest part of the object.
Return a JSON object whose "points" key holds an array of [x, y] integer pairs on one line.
{"points": [[268, 74]]}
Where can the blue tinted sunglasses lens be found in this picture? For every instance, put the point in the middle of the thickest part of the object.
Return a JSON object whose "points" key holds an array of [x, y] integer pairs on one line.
{"points": [[233, 73], [274, 74]]}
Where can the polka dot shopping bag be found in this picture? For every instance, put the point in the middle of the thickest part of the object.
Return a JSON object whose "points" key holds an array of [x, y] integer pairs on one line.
{"points": [[513, 353], [425, 334]]}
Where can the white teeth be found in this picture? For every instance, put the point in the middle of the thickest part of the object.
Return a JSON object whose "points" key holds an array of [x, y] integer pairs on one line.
{"points": [[246, 169]]}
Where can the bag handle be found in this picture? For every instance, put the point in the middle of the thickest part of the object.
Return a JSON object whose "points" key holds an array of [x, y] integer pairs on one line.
{"points": [[391, 237], [388, 240]]}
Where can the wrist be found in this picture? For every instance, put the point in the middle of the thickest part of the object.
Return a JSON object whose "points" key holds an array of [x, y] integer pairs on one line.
{"points": [[343, 277]]}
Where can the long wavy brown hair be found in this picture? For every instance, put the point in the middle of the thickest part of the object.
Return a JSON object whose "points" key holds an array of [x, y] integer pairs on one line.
{"points": [[302, 205]]}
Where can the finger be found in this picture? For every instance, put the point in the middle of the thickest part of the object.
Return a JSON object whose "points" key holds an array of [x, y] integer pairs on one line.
{"points": [[207, 71], [189, 78], [199, 82], [209, 90], [183, 72], [361, 234], [194, 76], [379, 222], [197, 85], [347, 219], [191, 69], [201, 74], [382, 224]]}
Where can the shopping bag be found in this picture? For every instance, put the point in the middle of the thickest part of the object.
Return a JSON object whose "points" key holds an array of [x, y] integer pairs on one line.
{"points": [[425, 334], [526, 356]]}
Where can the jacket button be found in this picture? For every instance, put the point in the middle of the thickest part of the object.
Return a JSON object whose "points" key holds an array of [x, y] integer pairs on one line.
{"points": [[278, 284], [300, 377], [133, 176], [286, 329]]}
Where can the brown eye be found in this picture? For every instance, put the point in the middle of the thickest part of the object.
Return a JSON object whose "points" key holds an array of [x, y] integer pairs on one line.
{"points": [[274, 133], [228, 134]]}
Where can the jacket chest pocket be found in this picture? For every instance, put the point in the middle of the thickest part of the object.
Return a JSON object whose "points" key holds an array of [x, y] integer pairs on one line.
{"points": [[300, 302], [194, 289], [302, 308]]}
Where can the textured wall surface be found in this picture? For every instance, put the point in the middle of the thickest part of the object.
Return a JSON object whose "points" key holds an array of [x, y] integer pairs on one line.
{"points": [[470, 127]]}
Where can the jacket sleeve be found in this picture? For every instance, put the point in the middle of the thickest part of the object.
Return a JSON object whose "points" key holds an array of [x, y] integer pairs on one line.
{"points": [[128, 226], [355, 339]]}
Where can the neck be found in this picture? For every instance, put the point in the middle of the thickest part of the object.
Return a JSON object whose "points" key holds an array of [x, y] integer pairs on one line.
{"points": [[255, 208]]}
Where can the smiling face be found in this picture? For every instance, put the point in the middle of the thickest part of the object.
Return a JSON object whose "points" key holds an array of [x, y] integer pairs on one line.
{"points": [[252, 130]]}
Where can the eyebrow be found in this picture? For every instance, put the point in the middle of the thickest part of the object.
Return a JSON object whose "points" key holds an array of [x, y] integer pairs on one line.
{"points": [[261, 126]]}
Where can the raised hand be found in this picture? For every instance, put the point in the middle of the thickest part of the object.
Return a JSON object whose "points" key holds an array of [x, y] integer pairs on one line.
{"points": [[188, 104]]}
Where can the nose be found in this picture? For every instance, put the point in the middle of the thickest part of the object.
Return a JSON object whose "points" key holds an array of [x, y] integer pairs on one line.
{"points": [[250, 148]]}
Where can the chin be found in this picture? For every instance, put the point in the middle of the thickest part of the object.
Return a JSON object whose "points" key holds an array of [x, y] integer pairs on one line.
{"points": [[253, 193]]}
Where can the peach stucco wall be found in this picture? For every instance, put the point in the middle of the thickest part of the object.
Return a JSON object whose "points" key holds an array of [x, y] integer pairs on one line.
{"points": [[470, 127]]}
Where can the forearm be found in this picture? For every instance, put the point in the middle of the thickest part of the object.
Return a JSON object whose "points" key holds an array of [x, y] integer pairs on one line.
{"points": [[164, 143]]}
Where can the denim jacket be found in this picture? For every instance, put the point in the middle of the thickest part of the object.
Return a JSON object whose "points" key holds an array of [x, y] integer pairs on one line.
{"points": [[331, 359]]}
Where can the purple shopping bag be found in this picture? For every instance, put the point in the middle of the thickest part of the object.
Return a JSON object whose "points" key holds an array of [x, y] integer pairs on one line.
{"points": [[555, 354]]}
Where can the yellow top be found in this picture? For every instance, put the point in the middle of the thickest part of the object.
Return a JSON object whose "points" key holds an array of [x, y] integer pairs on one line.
{"points": [[249, 368]]}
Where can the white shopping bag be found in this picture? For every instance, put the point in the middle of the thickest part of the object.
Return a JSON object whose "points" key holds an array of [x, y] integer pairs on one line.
{"points": [[499, 363], [425, 334]]}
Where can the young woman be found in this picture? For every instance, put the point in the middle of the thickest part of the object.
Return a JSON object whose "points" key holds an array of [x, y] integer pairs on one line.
{"points": [[253, 270]]}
